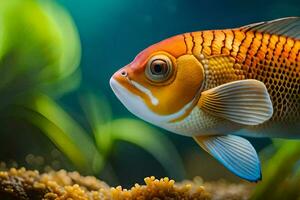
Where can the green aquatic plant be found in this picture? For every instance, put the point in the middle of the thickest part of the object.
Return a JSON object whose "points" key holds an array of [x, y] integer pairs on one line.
{"points": [[39, 59], [39, 62], [281, 172], [44, 113], [39, 49]]}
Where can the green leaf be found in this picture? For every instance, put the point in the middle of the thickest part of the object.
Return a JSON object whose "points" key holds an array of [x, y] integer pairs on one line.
{"points": [[69, 137], [277, 169], [39, 49], [98, 113]]}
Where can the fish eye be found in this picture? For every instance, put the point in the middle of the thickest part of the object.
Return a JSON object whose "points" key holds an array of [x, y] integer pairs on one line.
{"points": [[158, 68]]}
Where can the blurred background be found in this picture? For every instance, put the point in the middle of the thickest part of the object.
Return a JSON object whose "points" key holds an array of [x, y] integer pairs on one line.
{"points": [[58, 111]]}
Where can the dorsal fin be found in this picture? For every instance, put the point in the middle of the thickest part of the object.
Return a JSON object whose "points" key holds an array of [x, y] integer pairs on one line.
{"points": [[289, 27]]}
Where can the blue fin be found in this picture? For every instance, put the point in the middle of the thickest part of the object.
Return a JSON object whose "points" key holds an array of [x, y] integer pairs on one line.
{"points": [[235, 153]]}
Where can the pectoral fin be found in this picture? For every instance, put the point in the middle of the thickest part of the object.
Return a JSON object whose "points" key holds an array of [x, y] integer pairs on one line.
{"points": [[235, 153], [245, 102]]}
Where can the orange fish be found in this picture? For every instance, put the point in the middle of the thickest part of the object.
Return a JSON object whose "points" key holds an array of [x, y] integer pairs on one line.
{"points": [[219, 85]]}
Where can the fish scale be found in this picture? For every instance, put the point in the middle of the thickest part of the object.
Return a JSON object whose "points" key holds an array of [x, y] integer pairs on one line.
{"points": [[271, 59]]}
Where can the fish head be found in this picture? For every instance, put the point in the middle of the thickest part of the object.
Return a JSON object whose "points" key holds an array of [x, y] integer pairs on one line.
{"points": [[161, 83]]}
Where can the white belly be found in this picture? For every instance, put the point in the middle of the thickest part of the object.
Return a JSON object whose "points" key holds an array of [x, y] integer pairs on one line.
{"points": [[196, 123]]}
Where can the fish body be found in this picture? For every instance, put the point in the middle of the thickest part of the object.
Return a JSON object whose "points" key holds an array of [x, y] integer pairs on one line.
{"points": [[219, 84], [240, 54]]}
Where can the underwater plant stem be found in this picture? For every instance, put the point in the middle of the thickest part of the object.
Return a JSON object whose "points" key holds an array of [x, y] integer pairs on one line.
{"points": [[277, 169], [64, 132]]}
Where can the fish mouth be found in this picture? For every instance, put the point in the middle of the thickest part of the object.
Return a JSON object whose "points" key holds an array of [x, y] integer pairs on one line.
{"points": [[135, 104], [113, 85], [126, 96], [121, 92]]}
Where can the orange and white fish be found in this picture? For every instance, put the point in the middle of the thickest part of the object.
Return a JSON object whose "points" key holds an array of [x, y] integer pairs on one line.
{"points": [[219, 85]]}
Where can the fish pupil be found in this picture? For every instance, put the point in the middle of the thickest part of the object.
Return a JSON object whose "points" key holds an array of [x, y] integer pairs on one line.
{"points": [[157, 68]]}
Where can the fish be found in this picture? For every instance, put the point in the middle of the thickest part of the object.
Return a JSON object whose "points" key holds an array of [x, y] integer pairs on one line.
{"points": [[220, 86]]}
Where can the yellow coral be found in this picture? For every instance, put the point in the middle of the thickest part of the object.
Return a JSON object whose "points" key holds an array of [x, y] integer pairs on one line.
{"points": [[62, 185]]}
